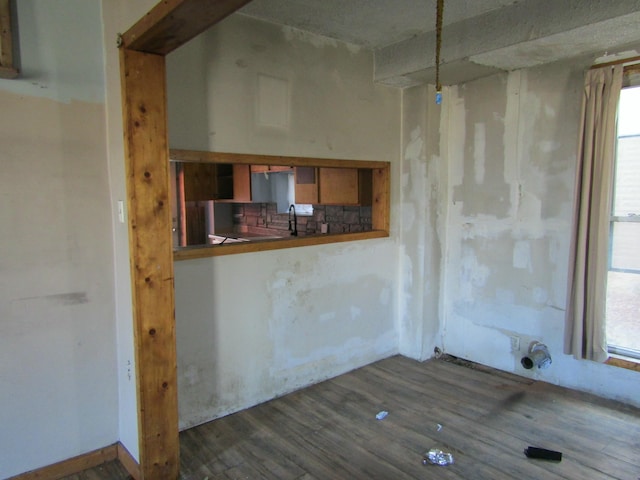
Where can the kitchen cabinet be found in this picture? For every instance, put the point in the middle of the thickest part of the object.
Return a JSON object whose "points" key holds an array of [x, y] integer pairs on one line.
{"points": [[306, 184], [333, 186], [207, 181], [241, 183], [270, 168], [249, 185]]}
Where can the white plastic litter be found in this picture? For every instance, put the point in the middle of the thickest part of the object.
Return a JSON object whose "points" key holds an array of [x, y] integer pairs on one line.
{"points": [[382, 414], [435, 456]]}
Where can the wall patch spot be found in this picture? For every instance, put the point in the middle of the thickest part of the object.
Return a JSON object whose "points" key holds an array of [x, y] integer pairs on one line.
{"points": [[479, 151], [522, 255], [272, 109]]}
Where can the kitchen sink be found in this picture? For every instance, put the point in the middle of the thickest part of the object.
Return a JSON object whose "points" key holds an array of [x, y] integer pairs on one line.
{"points": [[229, 239], [220, 239]]}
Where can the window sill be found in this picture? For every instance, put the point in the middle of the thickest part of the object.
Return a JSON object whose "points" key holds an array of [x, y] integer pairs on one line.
{"points": [[622, 362], [189, 253]]}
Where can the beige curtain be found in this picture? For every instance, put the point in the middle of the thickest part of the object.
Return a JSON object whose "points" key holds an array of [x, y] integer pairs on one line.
{"points": [[586, 330]]}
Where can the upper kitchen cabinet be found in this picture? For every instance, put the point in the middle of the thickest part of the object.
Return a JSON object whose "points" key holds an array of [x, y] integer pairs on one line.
{"points": [[241, 183], [333, 186], [345, 186], [207, 181], [261, 183], [306, 184], [270, 168]]}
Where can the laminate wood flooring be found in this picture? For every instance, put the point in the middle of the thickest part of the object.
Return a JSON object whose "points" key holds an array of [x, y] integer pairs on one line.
{"points": [[484, 417]]}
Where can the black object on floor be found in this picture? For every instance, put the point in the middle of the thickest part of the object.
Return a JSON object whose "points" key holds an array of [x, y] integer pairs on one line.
{"points": [[534, 452]]}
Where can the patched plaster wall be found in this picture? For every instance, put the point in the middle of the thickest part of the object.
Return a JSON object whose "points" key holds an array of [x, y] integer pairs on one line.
{"points": [[422, 185], [512, 143], [254, 326], [480, 211]]}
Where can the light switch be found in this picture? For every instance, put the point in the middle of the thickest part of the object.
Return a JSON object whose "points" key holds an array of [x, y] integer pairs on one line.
{"points": [[121, 211]]}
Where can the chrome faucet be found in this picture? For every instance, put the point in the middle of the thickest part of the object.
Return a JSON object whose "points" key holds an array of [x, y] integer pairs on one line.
{"points": [[294, 230]]}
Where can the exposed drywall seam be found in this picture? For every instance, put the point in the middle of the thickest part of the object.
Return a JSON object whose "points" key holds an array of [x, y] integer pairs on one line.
{"points": [[512, 137], [401, 304], [442, 211], [454, 135]]}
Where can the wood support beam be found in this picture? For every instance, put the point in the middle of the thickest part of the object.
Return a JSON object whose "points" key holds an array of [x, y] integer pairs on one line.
{"points": [[7, 68], [201, 156], [172, 23], [381, 208], [169, 25], [151, 258]]}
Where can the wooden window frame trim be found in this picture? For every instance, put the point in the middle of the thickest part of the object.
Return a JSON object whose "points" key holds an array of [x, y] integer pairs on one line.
{"points": [[379, 207], [623, 362], [617, 360]]}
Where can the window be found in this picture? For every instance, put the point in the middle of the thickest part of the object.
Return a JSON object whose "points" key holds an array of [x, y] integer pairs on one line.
{"points": [[228, 203], [623, 279]]}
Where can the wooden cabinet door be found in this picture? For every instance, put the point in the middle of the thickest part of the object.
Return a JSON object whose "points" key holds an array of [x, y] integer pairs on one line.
{"points": [[279, 168], [207, 181], [306, 184], [339, 186], [199, 182], [270, 168], [241, 183], [333, 186]]}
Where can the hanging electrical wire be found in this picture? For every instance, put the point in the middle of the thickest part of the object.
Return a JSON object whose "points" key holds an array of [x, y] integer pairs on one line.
{"points": [[439, 14]]}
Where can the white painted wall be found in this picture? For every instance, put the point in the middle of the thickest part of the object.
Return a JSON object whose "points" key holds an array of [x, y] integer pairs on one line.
{"points": [[254, 326], [58, 385], [512, 154]]}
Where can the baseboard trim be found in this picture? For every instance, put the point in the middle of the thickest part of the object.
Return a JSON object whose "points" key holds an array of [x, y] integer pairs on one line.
{"points": [[72, 465], [128, 462]]}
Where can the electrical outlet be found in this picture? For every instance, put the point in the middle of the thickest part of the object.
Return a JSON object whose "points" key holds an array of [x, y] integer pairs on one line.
{"points": [[515, 343]]}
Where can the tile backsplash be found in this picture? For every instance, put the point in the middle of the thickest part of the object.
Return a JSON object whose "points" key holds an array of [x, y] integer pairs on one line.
{"points": [[263, 218]]}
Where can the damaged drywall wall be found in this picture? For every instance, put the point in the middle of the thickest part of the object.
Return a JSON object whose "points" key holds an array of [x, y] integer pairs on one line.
{"points": [[322, 81], [254, 326], [512, 156], [420, 223]]}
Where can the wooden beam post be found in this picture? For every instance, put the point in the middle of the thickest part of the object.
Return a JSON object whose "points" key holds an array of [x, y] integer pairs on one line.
{"points": [[381, 207], [7, 68], [172, 23], [151, 258]]}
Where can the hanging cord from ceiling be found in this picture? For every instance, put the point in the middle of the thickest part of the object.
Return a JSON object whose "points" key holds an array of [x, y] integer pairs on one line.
{"points": [[439, 14]]}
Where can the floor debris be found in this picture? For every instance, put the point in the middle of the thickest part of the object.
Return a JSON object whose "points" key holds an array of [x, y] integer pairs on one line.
{"points": [[382, 414]]}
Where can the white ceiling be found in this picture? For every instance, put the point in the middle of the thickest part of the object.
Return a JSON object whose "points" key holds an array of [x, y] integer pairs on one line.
{"points": [[480, 37], [368, 23]]}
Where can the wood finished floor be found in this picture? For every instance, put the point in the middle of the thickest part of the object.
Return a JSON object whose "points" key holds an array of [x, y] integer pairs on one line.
{"points": [[488, 418]]}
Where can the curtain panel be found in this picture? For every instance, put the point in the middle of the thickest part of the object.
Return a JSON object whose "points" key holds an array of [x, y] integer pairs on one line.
{"points": [[585, 335]]}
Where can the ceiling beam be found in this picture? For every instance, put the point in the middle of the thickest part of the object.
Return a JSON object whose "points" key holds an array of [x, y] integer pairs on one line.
{"points": [[539, 32], [172, 23]]}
